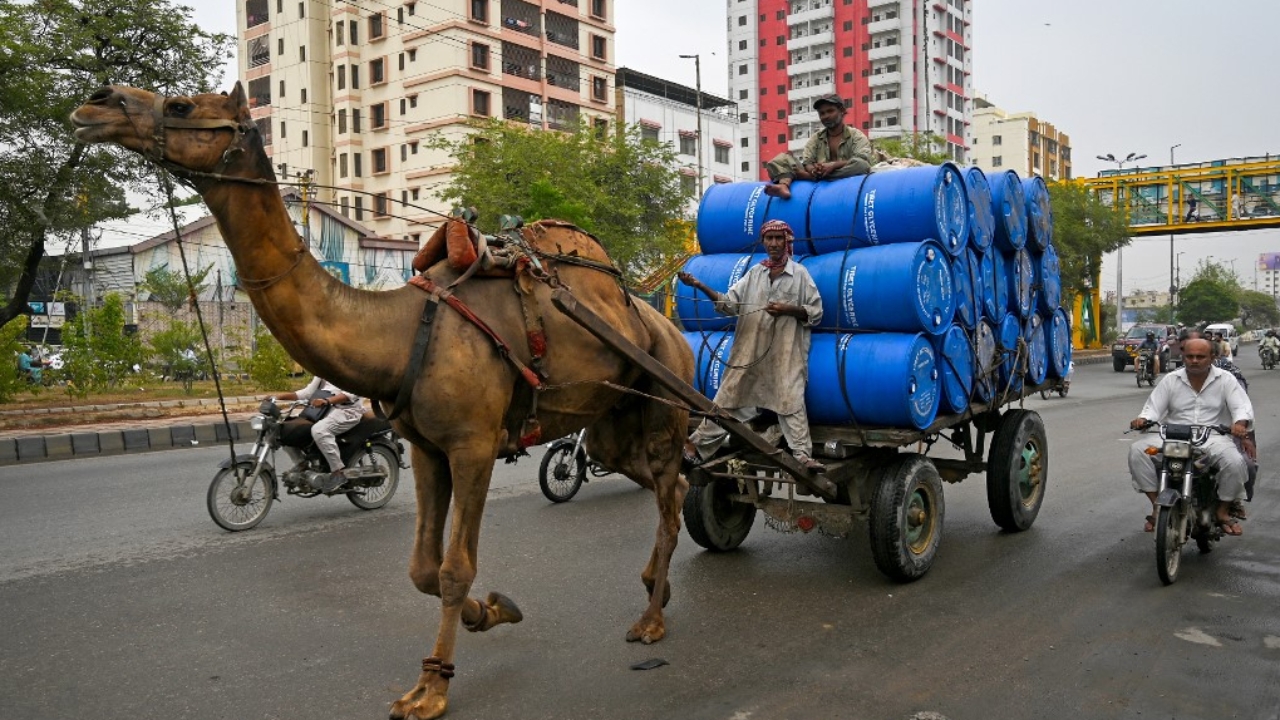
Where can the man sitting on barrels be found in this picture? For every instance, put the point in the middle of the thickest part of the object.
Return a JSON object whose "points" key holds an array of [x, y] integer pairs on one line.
{"points": [[835, 151], [777, 303]]}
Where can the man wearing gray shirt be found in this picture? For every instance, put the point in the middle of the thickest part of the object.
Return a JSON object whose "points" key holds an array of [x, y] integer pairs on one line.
{"points": [[1201, 394]]}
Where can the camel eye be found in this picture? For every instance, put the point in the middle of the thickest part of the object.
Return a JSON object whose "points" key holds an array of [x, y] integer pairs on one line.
{"points": [[180, 109]]}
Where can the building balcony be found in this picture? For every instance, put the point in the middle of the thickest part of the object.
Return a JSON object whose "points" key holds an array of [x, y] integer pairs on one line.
{"points": [[884, 78], [809, 66], [807, 117], [814, 90], [884, 52], [881, 106], [881, 26], [880, 3], [825, 12], [818, 38], [797, 145]]}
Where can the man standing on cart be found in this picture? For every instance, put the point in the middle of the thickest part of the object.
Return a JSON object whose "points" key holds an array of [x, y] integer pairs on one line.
{"points": [[777, 305]]}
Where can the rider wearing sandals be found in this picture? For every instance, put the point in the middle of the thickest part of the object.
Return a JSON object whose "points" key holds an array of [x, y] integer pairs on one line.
{"points": [[346, 409], [777, 305], [1202, 394]]}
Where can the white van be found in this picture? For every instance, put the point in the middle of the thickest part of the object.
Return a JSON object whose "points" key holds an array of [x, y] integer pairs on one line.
{"points": [[1228, 333]]}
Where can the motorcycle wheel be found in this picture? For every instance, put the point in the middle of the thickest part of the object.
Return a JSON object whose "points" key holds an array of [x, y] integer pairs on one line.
{"points": [[235, 507], [1169, 522], [562, 472], [372, 498]]}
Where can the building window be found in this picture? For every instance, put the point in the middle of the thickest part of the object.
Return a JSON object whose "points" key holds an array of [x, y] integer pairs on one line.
{"points": [[378, 159], [305, 138], [355, 120], [302, 53], [256, 12], [342, 77], [280, 46], [743, 117], [598, 9], [742, 44], [380, 205], [355, 77], [283, 134], [997, 140], [378, 116], [303, 91], [782, 139], [688, 145], [359, 208], [601, 126], [357, 164], [376, 27], [649, 133], [342, 122], [689, 184], [746, 142], [599, 89], [742, 21], [480, 56], [342, 165], [480, 103], [742, 69], [259, 52], [355, 32], [997, 161], [722, 154], [281, 89], [746, 167], [377, 71], [599, 48], [480, 10], [742, 94], [339, 31]]}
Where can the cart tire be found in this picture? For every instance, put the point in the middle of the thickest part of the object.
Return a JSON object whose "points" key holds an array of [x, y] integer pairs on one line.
{"points": [[713, 520], [1017, 470], [906, 518]]}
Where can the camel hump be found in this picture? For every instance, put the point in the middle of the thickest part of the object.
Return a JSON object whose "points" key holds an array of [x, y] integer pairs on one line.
{"points": [[558, 237]]}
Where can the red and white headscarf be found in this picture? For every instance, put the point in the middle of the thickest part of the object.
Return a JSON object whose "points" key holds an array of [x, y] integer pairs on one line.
{"points": [[776, 226]]}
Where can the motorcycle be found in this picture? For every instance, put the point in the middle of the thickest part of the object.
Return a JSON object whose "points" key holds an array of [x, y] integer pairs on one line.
{"points": [[1188, 497], [241, 494], [1268, 357], [565, 467], [1145, 368]]}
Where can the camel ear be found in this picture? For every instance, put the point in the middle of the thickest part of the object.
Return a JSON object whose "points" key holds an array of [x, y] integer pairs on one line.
{"points": [[239, 100]]}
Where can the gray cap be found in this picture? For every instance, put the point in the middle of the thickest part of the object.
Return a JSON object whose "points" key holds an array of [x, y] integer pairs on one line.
{"points": [[829, 100]]}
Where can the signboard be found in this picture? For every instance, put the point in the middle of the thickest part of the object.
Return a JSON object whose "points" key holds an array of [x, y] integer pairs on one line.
{"points": [[36, 307], [1269, 261], [57, 308], [53, 321], [338, 269]]}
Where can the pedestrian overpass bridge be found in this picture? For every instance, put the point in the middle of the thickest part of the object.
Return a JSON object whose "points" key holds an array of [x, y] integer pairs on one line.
{"points": [[1237, 194]]}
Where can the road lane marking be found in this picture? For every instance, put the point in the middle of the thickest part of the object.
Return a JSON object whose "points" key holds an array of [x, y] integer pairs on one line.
{"points": [[1196, 635]]}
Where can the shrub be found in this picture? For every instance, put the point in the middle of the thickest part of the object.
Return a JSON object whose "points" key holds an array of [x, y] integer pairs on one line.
{"points": [[99, 353], [269, 365], [12, 335]]}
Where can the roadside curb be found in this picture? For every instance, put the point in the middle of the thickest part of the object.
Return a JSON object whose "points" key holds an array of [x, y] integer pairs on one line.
{"points": [[74, 445]]}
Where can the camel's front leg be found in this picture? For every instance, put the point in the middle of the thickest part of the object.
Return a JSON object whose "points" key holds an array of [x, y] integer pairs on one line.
{"points": [[470, 469], [670, 489], [434, 485]]}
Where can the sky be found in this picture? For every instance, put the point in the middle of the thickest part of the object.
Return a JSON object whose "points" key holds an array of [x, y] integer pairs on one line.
{"points": [[1118, 76]]}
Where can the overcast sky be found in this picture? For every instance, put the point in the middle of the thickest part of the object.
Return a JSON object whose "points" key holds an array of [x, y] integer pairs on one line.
{"points": [[1118, 76]]}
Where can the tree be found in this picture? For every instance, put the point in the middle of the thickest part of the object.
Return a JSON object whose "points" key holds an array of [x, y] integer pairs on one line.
{"points": [[1258, 310], [1084, 229], [11, 382], [99, 353], [169, 288], [622, 189], [926, 147], [1213, 295], [268, 365], [53, 55]]}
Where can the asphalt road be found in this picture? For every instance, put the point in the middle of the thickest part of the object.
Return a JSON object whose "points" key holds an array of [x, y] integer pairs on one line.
{"points": [[123, 600]]}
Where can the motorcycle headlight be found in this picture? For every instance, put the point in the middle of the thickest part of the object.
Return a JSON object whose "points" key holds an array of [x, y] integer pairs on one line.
{"points": [[257, 421], [1177, 450]]}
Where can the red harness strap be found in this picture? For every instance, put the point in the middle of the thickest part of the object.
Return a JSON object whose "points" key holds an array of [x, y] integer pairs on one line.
{"points": [[424, 283]]}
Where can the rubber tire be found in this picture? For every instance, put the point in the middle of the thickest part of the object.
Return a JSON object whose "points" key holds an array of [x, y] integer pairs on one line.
{"points": [[213, 496], [1044, 394], [388, 486], [902, 484], [1010, 509], [1168, 557], [560, 452], [713, 520], [1118, 364]]}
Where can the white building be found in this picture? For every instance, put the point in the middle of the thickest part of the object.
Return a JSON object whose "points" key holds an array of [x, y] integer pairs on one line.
{"points": [[900, 66], [1018, 141], [668, 112]]}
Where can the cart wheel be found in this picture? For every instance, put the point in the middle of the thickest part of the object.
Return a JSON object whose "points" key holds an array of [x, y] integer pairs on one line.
{"points": [[906, 518], [1017, 470], [715, 521]]}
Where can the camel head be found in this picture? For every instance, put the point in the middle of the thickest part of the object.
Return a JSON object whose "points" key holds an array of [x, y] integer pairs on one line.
{"points": [[210, 133]]}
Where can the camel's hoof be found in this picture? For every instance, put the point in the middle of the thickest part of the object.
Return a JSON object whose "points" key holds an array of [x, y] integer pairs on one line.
{"points": [[647, 633], [506, 610], [420, 704]]}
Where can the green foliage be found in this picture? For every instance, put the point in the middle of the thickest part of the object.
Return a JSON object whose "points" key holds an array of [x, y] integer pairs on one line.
{"points": [[621, 188], [269, 365], [169, 288], [925, 147], [1157, 314], [1213, 295], [98, 353], [1258, 310], [174, 346], [53, 55], [12, 335], [1084, 229]]}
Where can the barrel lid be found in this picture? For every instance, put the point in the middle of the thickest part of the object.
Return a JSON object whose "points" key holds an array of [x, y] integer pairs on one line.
{"points": [[1039, 212], [982, 223], [1009, 204], [955, 361], [1037, 351], [1059, 343], [935, 293], [987, 271], [951, 208], [923, 384], [1024, 278], [1050, 274], [967, 300]]}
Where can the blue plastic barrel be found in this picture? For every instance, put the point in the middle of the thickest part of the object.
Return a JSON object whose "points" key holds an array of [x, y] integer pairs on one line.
{"points": [[794, 211], [1019, 276], [1037, 351], [984, 361], [968, 297], [987, 273], [1058, 343], [1008, 333], [1049, 280], [889, 379], [891, 206], [710, 355], [1009, 205], [1039, 213], [896, 288], [955, 367], [730, 216], [719, 272], [982, 223], [1000, 277]]}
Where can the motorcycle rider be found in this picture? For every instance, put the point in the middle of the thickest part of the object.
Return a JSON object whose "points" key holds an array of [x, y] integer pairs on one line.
{"points": [[346, 409], [1150, 344], [1270, 343], [1198, 393]]}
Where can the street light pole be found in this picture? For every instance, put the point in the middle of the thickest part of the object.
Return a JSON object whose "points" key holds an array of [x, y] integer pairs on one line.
{"points": [[697, 75], [1173, 286], [1131, 157]]}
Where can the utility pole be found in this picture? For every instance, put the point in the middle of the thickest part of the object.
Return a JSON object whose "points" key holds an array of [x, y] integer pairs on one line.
{"points": [[1173, 286], [697, 75], [1132, 157], [88, 281]]}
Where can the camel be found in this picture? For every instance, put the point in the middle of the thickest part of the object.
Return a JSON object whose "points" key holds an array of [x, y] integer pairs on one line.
{"points": [[459, 419]]}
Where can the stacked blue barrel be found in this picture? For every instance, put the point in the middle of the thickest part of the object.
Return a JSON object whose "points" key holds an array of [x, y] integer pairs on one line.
{"points": [[940, 287]]}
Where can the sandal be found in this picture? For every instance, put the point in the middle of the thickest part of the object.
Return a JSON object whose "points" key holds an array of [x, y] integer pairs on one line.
{"points": [[1231, 527], [1151, 524], [1237, 511]]}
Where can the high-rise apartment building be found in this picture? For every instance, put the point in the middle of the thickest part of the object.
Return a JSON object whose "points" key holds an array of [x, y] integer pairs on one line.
{"points": [[1018, 141], [353, 91], [901, 67]]}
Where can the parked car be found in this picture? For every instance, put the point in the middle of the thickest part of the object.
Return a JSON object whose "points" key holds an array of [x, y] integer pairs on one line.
{"points": [[1228, 333], [1124, 350]]}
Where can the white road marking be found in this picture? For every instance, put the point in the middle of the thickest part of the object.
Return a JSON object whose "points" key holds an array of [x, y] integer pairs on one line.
{"points": [[1271, 642], [1196, 635]]}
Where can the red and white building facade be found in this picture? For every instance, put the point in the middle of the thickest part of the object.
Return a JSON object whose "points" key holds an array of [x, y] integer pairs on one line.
{"points": [[901, 66]]}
